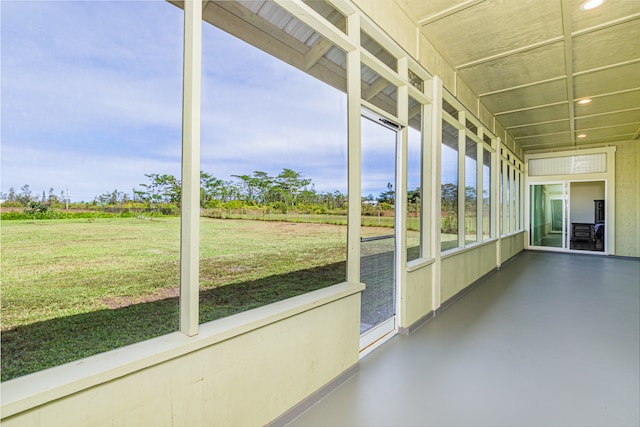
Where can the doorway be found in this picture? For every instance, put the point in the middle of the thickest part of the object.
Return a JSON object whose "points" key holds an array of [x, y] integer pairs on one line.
{"points": [[378, 241], [568, 216], [548, 215]]}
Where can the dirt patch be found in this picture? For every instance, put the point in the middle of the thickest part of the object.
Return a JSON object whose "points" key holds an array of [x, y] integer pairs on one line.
{"points": [[126, 301]]}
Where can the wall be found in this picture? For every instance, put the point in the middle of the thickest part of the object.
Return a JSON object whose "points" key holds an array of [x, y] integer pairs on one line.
{"points": [[627, 198], [416, 297], [461, 269], [582, 196], [242, 370], [511, 245]]}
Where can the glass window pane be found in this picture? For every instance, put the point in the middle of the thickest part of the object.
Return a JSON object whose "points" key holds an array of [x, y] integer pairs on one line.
{"points": [[274, 178], [91, 126], [486, 194], [449, 188], [471, 191], [414, 181]]}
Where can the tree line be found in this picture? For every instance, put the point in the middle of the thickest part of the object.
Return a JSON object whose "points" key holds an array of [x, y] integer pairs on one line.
{"points": [[285, 191]]}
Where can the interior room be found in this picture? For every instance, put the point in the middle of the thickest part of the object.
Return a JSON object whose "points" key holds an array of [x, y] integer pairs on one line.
{"points": [[476, 258]]}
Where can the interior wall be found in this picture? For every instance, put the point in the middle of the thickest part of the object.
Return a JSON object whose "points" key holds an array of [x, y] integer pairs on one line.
{"points": [[459, 270], [510, 246], [416, 296], [627, 198], [582, 195]]}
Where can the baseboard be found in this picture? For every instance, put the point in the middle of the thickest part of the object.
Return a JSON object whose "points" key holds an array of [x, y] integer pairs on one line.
{"points": [[415, 325], [446, 304], [314, 398]]}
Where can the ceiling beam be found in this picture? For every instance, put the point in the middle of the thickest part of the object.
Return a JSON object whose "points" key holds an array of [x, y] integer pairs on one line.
{"points": [[548, 41], [448, 12], [626, 110], [518, 138], [321, 47], [606, 67], [539, 82], [606, 25], [565, 6], [510, 52], [535, 107], [537, 123]]}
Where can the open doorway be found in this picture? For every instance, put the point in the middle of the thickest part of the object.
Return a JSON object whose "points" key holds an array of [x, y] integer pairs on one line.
{"points": [[568, 215], [587, 220]]}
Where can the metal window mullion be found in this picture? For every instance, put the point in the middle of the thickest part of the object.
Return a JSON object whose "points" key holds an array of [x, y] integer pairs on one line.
{"points": [[190, 205]]}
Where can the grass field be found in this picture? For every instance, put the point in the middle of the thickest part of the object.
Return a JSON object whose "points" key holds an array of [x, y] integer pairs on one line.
{"points": [[73, 288]]}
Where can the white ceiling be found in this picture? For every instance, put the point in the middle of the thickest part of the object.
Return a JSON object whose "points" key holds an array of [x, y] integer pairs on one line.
{"points": [[530, 61]]}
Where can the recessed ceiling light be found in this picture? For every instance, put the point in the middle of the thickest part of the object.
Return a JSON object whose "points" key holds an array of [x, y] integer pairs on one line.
{"points": [[591, 4], [582, 135], [584, 101]]}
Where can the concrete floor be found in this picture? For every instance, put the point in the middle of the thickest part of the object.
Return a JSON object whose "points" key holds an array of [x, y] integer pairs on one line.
{"points": [[550, 340]]}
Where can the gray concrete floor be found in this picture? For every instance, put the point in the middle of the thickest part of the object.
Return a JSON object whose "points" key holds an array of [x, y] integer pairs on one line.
{"points": [[550, 340]]}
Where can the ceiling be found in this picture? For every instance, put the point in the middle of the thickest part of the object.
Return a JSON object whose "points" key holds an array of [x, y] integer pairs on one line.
{"points": [[530, 61]]}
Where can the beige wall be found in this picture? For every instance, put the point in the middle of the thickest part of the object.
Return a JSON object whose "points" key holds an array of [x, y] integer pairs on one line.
{"points": [[248, 379], [461, 269], [627, 198], [416, 297], [511, 246]]}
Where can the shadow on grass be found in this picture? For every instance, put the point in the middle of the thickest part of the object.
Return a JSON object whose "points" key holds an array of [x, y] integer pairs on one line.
{"points": [[42, 345]]}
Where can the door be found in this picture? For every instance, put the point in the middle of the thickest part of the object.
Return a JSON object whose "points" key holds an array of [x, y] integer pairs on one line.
{"points": [[549, 215], [378, 234]]}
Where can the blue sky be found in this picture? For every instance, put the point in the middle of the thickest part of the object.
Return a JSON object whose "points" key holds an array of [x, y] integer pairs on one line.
{"points": [[91, 101]]}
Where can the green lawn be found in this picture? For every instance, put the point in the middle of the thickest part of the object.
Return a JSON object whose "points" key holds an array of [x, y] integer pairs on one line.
{"points": [[73, 288]]}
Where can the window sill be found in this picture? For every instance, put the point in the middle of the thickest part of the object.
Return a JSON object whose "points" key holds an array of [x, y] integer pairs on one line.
{"points": [[39, 388], [419, 263], [457, 251]]}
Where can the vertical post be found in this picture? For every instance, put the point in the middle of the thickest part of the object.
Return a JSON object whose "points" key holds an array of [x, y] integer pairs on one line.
{"points": [[480, 189], [504, 218], [190, 207], [462, 152], [354, 106], [496, 208], [435, 189]]}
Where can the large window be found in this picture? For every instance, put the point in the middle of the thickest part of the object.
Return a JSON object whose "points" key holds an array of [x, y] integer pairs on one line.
{"points": [[91, 145], [274, 171], [449, 187], [470, 191], [511, 184], [486, 194], [414, 182]]}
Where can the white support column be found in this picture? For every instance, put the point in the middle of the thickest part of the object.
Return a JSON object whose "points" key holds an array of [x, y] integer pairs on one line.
{"points": [[190, 208], [479, 190], [495, 199], [462, 148], [401, 194], [504, 218], [354, 111], [435, 213]]}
